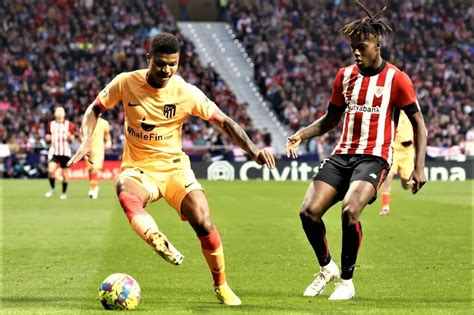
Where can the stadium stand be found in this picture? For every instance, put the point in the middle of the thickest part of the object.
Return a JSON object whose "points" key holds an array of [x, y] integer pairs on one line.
{"points": [[297, 51], [60, 52]]}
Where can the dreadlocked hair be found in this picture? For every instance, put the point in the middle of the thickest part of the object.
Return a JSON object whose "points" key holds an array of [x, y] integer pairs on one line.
{"points": [[368, 25]]}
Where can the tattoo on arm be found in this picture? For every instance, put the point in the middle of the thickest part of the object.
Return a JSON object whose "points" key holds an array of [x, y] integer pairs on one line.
{"points": [[239, 136]]}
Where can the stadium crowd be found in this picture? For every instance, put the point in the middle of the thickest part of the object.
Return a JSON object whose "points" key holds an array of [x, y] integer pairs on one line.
{"points": [[61, 53], [297, 50]]}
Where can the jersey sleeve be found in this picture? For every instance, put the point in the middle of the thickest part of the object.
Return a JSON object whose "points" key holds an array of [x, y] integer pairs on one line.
{"points": [[202, 106], [404, 92], [111, 94], [337, 98]]}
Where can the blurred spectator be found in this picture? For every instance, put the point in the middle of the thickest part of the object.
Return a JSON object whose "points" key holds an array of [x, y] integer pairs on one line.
{"points": [[183, 9], [222, 6]]}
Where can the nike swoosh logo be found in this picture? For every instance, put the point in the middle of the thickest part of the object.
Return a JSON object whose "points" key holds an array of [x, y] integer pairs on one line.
{"points": [[217, 270], [132, 105], [186, 186]]}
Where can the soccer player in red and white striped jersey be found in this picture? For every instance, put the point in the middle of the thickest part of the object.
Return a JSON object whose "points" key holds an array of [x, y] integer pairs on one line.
{"points": [[370, 95], [60, 134]]}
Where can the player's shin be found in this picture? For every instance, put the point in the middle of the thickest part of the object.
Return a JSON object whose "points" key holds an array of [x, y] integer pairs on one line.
{"points": [[385, 201], [146, 227], [213, 252], [351, 241], [139, 219], [316, 233], [51, 180], [93, 182], [64, 186]]}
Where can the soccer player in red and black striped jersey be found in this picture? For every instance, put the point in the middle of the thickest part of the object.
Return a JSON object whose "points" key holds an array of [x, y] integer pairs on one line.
{"points": [[369, 95], [60, 134]]}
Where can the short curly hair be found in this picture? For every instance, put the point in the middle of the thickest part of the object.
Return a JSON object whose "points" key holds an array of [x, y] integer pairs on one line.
{"points": [[164, 43]]}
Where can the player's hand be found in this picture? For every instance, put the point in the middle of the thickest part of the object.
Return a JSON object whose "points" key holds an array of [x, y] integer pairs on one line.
{"points": [[292, 146], [417, 180], [265, 157], [82, 153]]}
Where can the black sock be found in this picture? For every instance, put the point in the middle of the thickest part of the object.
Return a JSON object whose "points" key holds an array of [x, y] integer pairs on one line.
{"points": [[316, 234], [51, 182], [351, 240], [64, 187]]}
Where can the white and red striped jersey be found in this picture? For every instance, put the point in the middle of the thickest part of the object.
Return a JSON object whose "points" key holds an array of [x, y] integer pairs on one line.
{"points": [[59, 136], [372, 106]]}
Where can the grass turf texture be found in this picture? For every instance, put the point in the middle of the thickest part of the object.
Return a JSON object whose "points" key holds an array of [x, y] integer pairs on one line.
{"points": [[56, 252]]}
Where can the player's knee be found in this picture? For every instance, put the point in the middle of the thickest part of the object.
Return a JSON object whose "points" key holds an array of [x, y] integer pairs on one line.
{"points": [[350, 214], [120, 186], [200, 219], [131, 204], [205, 228], [306, 213]]}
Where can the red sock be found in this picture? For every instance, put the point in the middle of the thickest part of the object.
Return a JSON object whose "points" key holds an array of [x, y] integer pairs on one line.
{"points": [[212, 249], [93, 179], [141, 221], [131, 204], [385, 200]]}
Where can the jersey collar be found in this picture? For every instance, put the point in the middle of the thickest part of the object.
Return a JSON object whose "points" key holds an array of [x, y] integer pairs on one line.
{"points": [[372, 72]]}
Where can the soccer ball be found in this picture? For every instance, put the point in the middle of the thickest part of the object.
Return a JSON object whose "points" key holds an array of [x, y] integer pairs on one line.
{"points": [[119, 291]]}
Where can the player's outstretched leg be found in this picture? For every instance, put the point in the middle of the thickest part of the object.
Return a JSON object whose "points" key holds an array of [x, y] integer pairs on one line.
{"points": [[146, 227], [213, 252]]}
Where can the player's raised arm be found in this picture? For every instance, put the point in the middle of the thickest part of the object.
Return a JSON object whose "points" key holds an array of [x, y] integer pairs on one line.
{"points": [[318, 128], [418, 177], [89, 121], [240, 137]]}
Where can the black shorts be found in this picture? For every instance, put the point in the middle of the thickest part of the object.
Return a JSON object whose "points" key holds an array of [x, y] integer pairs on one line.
{"points": [[61, 159], [340, 171]]}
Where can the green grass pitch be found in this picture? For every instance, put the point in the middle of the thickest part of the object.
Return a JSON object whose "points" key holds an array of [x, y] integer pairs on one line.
{"points": [[55, 253]]}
